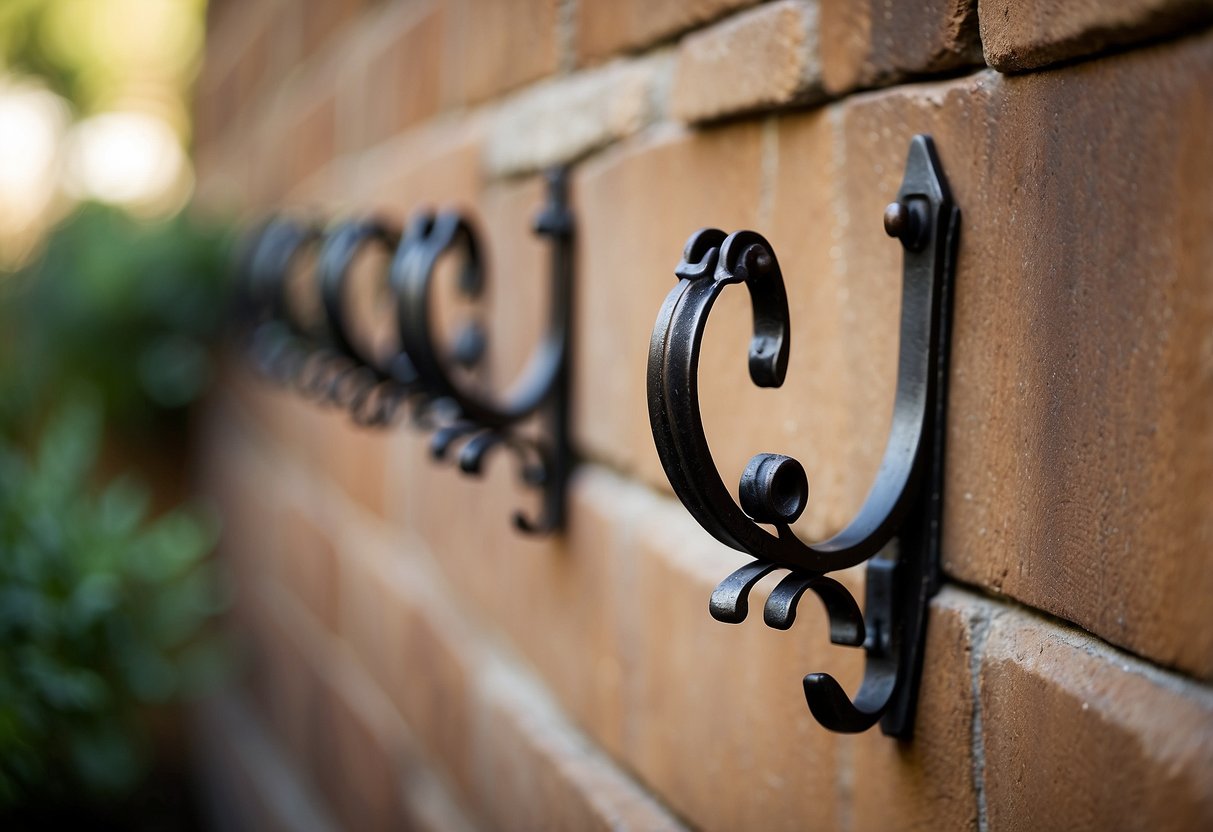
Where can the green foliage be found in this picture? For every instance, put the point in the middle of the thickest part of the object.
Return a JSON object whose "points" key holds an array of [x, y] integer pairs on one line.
{"points": [[103, 606], [100, 613], [130, 307]]}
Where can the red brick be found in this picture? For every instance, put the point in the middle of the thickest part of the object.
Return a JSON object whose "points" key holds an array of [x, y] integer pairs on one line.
{"points": [[363, 756], [1078, 736], [625, 263], [605, 27], [1019, 35], [927, 783], [1080, 430], [249, 783], [566, 608], [1081, 390], [308, 563], [420, 656], [868, 43], [321, 19], [398, 82], [717, 722], [762, 58], [538, 773], [497, 45]]}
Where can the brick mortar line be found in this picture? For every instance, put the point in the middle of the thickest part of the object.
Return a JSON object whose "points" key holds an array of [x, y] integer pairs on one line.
{"points": [[980, 628], [1094, 645], [498, 657], [502, 667], [1091, 643], [351, 30], [326, 651], [281, 785]]}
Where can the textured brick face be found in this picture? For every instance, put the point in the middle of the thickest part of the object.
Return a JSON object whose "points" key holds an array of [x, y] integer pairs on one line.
{"points": [[413, 663]]}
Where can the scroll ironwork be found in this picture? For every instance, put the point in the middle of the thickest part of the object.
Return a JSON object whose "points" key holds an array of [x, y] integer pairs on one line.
{"points": [[329, 362], [896, 530]]}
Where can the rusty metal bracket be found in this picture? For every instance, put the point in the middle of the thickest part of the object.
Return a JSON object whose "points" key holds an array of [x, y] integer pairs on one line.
{"points": [[898, 526]]}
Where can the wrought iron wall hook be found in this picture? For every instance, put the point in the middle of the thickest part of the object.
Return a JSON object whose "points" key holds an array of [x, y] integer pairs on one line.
{"points": [[482, 423], [898, 525], [372, 387], [274, 343]]}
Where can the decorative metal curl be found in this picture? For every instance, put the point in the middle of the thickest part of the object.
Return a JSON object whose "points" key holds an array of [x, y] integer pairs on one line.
{"points": [[276, 343], [332, 367], [898, 523], [484, 423]]}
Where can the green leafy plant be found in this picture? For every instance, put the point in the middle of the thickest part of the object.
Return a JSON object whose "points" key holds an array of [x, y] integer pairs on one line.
{"points": [[130, 307], [105, 599], [100, 612]]}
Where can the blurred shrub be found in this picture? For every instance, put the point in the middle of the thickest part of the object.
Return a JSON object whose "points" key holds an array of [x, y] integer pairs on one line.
{"points": [[127, 306], [103, 607], [100, 609]]}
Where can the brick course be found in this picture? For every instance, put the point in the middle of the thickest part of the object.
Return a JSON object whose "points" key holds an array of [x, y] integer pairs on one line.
{"points": [[411, 662]]}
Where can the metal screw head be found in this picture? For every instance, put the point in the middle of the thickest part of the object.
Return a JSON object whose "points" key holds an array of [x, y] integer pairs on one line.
{"points": [[908, 221], [896, 219]]}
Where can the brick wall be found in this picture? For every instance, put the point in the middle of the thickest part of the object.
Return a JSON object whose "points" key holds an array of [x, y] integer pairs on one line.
{"points": [[413, 663]]}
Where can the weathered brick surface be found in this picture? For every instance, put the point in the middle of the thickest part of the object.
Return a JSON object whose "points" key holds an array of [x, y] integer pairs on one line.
{"points": [[559, 121], [1017, 35], [1077, 736], [761, 58], [497, 45], [605, 27], [249, 783], [396, 81], [712, 701], [536, 773], [675, 182], [1079, 418], [868, 43], [423, 666], [928, 784]]}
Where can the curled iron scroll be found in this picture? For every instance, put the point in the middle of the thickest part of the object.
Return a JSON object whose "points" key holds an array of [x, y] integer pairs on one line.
{"points": [[483, 423], [897, 525], [328, 362]]}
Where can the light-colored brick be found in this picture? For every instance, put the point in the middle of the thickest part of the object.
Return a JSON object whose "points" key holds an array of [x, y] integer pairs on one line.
{"points": [[762, 58], [1078, 736], [559, 121], [1026, 34]]}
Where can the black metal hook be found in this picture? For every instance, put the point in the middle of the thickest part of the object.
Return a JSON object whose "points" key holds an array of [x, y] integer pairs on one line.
{"points": [[899, 520], [332, 367], [277, 345], [484, 423]]}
